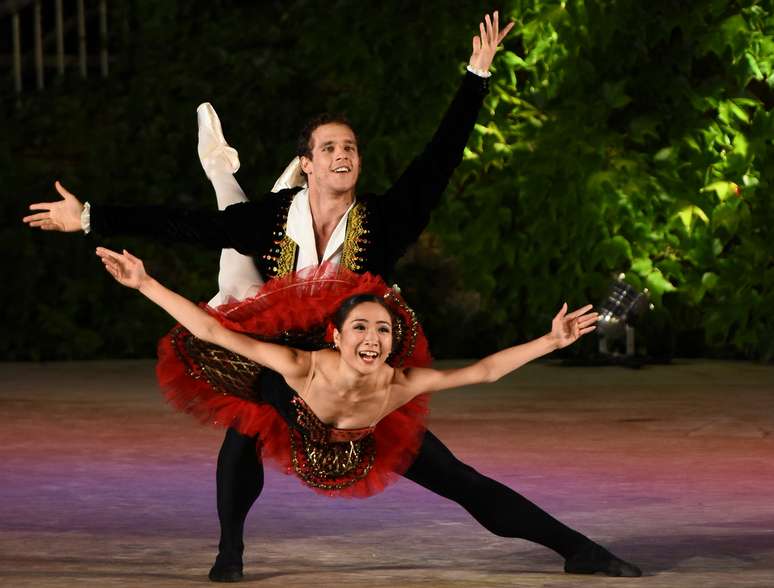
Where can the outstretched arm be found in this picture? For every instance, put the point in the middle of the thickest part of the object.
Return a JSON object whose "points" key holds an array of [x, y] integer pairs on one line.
{"points": [[565, 330], [129, 271], [245, 226], [407, 205]]}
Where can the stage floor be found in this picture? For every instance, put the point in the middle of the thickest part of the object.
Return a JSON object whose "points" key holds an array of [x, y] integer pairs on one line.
{"points": [[671, 467]]}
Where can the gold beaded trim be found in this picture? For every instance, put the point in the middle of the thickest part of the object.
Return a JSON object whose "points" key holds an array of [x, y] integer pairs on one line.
{"points": [[355, 459], [287, 257], [355, 241], [224, 371], [281, 258], [322, 463], [404, 345]]}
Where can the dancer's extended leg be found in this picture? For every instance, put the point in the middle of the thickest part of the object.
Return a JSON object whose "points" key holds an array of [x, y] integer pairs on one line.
{"points": [[507, 513]]}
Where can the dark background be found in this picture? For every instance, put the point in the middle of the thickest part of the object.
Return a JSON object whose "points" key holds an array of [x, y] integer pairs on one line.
{"points": [[618, 137]]}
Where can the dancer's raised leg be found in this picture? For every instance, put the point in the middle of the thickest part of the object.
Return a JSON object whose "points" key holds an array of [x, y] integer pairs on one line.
{"points": [[238, 277]]}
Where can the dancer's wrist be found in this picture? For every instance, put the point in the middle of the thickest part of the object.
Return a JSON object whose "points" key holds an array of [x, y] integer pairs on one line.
{"points": [[86, 218], [146, 284], [551, 342], [482, 73]]}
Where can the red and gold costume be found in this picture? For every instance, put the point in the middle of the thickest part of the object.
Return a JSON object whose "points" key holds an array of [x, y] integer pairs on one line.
{"points": [[222, 388]]}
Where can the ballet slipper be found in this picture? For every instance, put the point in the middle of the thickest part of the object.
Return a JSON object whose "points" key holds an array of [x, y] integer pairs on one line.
{"points": [[215, 155]]}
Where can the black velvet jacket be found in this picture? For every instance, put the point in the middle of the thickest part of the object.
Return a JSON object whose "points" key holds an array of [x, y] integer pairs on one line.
{"points": [[380, 227]]}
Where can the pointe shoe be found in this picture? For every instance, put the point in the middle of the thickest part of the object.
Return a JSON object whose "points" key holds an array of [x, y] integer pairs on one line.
{"points": [[595, 559], [215, 155]]}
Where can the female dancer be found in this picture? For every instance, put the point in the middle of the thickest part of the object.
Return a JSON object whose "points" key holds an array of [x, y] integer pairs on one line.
{"points": [[352, 419]]}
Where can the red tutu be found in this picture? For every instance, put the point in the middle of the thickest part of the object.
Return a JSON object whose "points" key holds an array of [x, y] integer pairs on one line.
{"points": [[219, 387]]}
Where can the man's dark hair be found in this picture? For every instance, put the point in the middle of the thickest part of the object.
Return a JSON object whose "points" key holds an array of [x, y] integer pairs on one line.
{"points": [[303, 147]]}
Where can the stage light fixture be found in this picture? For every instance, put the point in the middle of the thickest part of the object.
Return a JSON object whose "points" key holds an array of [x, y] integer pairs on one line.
{"points": [[623, 307]]}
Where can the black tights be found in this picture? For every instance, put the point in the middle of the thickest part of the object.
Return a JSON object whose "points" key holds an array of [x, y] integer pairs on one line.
{"points": [[498, 508], [239, 479]]}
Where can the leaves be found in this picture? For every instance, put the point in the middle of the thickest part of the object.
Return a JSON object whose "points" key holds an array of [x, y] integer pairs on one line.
{"points": [[618, 136], [650, 158]]}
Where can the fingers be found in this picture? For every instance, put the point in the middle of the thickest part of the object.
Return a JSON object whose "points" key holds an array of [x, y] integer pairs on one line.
{"points": [[36, 218], [562, 312], [488, 29], [62, 191], [586, 330], [505, 32], [122, 266], [42, 205], [107, 254], [131, 257], [114, 268], [580, 311], [42, 221], [476, 45], [588, 318], [106, 251], [111, 265], [585, 323]]}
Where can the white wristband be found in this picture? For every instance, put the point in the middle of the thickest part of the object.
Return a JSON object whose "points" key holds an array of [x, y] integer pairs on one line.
{"points": [[479, 72], [86, 218]]}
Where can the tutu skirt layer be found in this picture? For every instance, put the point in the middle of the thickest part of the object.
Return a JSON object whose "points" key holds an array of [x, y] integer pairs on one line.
{"points": [[221, 388]]}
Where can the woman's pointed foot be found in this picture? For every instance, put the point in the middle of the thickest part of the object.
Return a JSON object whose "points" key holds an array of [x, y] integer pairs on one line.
{"points": [[595, 559], [215, 155]]}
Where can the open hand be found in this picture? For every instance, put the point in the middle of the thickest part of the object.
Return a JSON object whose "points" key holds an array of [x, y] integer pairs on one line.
{"points": [[568, 328], [63, 215], [485, 44], [124, 267]]}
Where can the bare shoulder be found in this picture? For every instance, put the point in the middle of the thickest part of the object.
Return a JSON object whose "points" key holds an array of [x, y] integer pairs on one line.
{"points": [[324, 360], [406, 383], [414, 376], [399, 375]]}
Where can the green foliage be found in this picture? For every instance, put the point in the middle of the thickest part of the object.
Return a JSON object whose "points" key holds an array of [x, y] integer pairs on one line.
{"points": [[612, 147], [619, 136]]}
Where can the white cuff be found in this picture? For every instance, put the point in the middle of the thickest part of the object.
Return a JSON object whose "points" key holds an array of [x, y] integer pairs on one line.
{"points": [[86, 218], [479, 72]]}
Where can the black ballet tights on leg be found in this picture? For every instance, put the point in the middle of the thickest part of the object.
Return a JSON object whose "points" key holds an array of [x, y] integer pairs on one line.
{"points": [[239, 483], [498, 508], [507, 513]]}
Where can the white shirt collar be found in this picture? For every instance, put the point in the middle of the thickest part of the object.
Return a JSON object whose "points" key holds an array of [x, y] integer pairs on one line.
{"points": [[301, 229]]}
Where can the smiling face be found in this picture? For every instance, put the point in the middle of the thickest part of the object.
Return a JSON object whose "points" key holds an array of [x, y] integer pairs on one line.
{"points": [[365, 338], [333, 163]]}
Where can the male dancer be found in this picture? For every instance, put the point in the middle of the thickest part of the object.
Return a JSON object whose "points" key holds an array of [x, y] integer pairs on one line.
{"points": [[327, 221]]}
